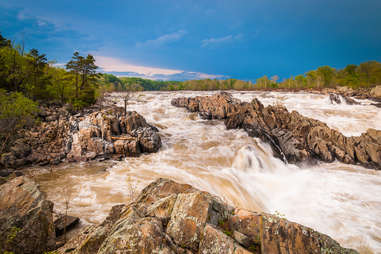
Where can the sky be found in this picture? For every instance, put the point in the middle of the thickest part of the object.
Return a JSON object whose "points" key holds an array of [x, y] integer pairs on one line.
{"points": [[184, 39]]}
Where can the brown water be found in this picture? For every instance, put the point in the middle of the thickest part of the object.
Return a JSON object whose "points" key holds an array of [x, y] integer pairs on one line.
{"points": [[343, 201]]}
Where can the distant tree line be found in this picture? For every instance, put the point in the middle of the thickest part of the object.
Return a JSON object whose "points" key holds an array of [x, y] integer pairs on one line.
{"points": [[365, 75]]}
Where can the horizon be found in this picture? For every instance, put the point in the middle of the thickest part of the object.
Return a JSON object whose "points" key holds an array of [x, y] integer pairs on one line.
{"points": [[198, 40]]}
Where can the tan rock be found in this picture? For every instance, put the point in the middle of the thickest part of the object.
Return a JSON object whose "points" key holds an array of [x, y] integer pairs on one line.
{"points": [[376, 92], [26, 220]]}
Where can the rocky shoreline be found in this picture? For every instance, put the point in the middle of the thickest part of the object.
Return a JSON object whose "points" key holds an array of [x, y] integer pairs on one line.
{"points": [[293, 137], [91, 134], [166, 217]]}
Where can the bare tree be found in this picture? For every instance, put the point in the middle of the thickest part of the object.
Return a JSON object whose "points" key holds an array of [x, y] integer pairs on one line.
{"points": [[126, 98], [67, 192], [132, 190]]}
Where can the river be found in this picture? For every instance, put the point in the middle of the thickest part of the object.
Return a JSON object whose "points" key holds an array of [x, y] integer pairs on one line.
{"points": [[342, 201]]}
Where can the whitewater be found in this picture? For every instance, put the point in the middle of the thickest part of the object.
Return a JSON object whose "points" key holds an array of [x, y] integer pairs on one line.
{"points": [[340, 200]]}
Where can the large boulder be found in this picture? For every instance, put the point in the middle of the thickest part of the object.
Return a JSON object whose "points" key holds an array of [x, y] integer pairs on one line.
{"points": [[26, 219], [168, 217], [107, 132]]}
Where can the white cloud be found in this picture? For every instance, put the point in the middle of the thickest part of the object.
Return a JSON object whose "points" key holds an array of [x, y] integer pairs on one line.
{"points": [[116, 65], [213, 41], [41, 22], [123, 68], [164, 39]]}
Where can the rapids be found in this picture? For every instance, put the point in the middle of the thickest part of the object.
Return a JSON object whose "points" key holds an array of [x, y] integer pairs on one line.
{"points": [[343, 201]]}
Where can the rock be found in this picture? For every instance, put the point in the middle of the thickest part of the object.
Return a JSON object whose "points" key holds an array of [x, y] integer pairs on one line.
{"points": [[215, 241], [5, 172], [149, 139], [7, 160], [65, 222], [190, 214], [143, 235], [350, 101], [133, 121], [285, 236], [26, 220], [334, 98], [272, 234], [376, 92], [20, 149], [198, 223], [293, 138]]}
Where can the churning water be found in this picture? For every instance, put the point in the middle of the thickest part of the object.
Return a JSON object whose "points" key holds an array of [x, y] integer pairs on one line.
{"points": [[343, 201]]}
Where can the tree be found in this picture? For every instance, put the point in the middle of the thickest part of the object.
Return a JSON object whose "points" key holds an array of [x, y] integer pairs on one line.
{"points": [[74, 66], [85, 81], [263, 82], [4, 42], [326, 75], [59, 87], [88, 70], [36, 63]]}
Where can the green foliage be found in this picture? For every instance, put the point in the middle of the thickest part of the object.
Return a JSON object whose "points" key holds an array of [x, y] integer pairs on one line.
{"points": [[12, 234], [34, 77], [365, 75], [16, 111], [228, 233]]}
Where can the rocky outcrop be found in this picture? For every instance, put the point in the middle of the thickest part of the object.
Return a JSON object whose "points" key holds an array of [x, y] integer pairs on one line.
{"points": [[376, 92], [26, 219], [168, 217], [111, 132], [88, 135], [293, 137]]}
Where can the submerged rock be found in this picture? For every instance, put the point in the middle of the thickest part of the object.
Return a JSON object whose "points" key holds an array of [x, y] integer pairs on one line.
{"points": [[168, 217], [293, 137], [26, 219], [338, 99]]}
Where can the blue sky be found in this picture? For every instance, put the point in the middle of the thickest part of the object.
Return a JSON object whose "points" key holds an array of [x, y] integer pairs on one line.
{"points": [[176, 39]]}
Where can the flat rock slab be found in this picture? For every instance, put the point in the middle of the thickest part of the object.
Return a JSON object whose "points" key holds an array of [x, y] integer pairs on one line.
{"points": [[65, 222]]}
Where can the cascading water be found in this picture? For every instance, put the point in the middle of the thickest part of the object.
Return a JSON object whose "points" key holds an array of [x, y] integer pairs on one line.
{"points": [[343, 201]]}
